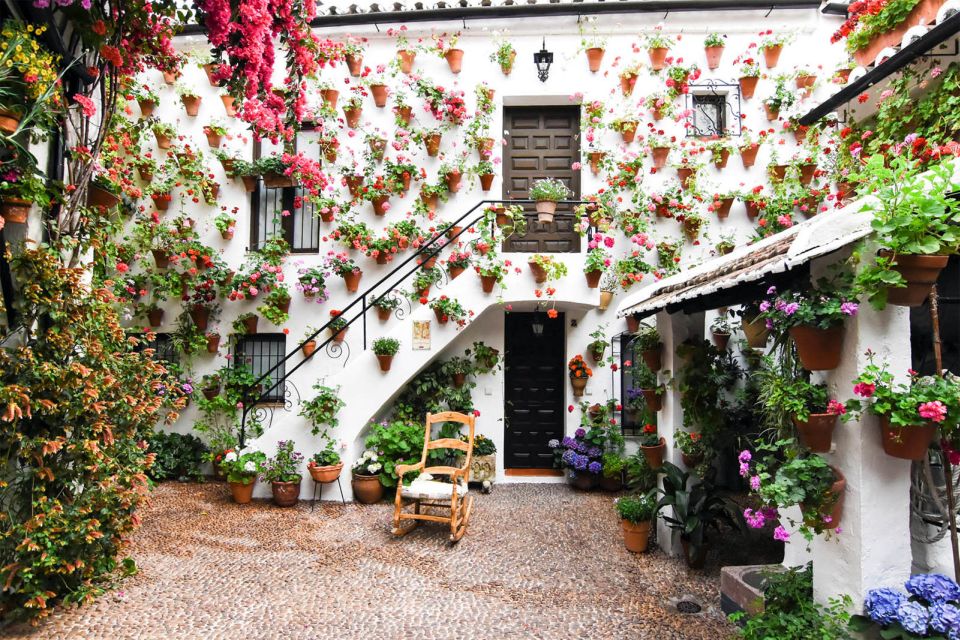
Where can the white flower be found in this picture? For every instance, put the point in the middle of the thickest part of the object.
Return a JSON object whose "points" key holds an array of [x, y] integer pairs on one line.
{"points": [[250, 466], [230, 457], [373, 457], [373, 468]]}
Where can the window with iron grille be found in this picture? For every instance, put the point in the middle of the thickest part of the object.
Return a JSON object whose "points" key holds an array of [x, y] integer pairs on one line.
{"points": [[709, 114], [163, 348], [301, 227], [260, 353], [635, 413]]}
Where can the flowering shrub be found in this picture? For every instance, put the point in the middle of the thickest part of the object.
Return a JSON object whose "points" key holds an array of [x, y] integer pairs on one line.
{"points": [[322, 409], [824, 307], [284, 466], [449, 309], [581, 453], [636, 508], [312, 283], [242, 467], [578, 368], [930, 608]]}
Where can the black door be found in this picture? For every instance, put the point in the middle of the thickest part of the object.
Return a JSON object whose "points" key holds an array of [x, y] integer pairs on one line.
{"points": [[543, 142], [534, 377]]}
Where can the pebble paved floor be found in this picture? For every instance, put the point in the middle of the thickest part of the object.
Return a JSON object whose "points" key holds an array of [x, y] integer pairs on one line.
{"points": [[539, 561]]}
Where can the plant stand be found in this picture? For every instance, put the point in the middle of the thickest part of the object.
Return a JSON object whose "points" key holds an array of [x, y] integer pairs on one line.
{"points": [[318, 492]]}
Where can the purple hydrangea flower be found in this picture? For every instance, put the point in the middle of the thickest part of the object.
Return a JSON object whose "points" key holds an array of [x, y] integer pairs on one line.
{"points": [[913, 617], [580, 462], [594, 452], [581, 432], [791, 308], [569, 442], [933, 587], [944, 617], [882, 605], [594, 467]]}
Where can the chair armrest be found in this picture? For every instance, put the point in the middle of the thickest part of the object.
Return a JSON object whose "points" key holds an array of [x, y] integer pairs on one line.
{"points": [[403, 468]]}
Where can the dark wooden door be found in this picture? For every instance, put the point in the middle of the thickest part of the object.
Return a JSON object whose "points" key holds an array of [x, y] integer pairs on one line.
{"points": [[542, 142], [535, 371]]}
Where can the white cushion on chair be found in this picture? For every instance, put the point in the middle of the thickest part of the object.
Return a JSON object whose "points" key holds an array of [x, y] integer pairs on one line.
{"points": [[425, 488]]}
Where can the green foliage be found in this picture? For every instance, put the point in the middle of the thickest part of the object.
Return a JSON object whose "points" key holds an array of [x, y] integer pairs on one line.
{"points": [[284, 466], [178, 456], [322, 409], [386, 346], [431, 392], [549, 189], [243, 467], [482, 445], [647, 338], [637, 508], [705, 379], [695, 506], [396, 442], [790, 611], [487, 358]]}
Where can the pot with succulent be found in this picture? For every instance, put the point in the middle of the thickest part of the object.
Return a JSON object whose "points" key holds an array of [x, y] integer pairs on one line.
{"points": [[282, 471], [720, 332], [914, 222], [241, 469], [365, 480], [546, 268], [579, 374], [385, 349], [911, 413], [658, 45]]}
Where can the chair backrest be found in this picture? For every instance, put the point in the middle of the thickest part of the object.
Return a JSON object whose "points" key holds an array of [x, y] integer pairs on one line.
{"points": [[448, 443]]}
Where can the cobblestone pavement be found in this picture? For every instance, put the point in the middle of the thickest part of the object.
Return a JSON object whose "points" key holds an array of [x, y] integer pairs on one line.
{"points": [[538, 561]]}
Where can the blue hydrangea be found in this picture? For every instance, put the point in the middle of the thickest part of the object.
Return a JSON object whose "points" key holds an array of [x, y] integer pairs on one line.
{"points": [[594, 467], [569, 442], [933, 587], [944, 617], [581, 432], [568, 457], [882, 605], [580, 462], [595, 452], [913, 617]]}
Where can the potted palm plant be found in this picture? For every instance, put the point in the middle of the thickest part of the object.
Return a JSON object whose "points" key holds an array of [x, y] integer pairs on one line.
{"points": [[241, 470], [636, 515], [385, 349], [547, 192], [282, 471]]}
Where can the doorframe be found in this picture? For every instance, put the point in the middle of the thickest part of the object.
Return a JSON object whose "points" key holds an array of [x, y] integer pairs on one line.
{"points": [[534, 472]]}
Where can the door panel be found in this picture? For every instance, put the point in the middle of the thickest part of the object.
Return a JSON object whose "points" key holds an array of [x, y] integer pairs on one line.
{"points": [[534, 375], [543, 142]]}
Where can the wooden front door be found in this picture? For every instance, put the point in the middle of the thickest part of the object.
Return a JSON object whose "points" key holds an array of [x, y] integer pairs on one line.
{"points": [[535, 372], [542, 142]]}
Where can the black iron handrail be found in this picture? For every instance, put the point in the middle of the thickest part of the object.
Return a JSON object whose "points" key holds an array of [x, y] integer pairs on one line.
{"points": [[362, 299]]}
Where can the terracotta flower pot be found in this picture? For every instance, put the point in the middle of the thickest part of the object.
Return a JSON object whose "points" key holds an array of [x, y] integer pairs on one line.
{"points": [[285, 494], [713, 56], [384, 314], [924, 12], [15, 210], [404, 114], [606, 297], [748, 86], [807, 171], [629, 133], [685, 175], [695, 559], [380, 205], [654, 455], [432, 142], [748, 155], [249, 183], [778, 172], [191, 104], [161, 201], [459, 379], [721, 340], [161, 258], [487, 283], [723, 209], [486, 181], [584, 481], [920, 272], [163, 142], [830, 514], [636, 535], [243, 491], [453, 181], [308, 348], [539, 273], [627, 84], [9, 121], [818, 349], [593, 278], [155, 317], [100, 197], [213, 342], [250, 324], [228, 107], [579, 385], [756, 332], [908, 443], [772, 112], [354, 64], [805, 81], [329, 97], [454, 58], [406, 58], [660, 155], [691, 461], [816, 433], [352, 115], [653, 398], [507, 66], [379, 92], [277, 180], [385, 362], [720, 160], [353, 185], [594, 157], [200, 316], [325, 474], [658, 57], [771, 55], [545, 210], [339, 336], [594, 58], [211, 392], [652, 358], [455, 272], [147, 107], [367, 489], [753, 209]]}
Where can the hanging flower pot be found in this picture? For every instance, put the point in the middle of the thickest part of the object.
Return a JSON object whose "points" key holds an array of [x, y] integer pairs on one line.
{"points": [[596, 353], [155, 317], [308, 348], [100, 197], [721, 340], [818, 349], [352, 280], [406, 58], [485, 147], [805, 81], [579, 385], [432, 142], [753, 209], [453, 181], [685, 174], [329, 97], [170, 77], [285, 494], [404, 114], [366, 489], [720, 158], [454, 58], [146, 174], [908, 443], [722, 207], [654, 455], [161, 257], [486, 181], [658, 57], [353, 185], [213, 342], [756, 332], [384, 314], [920, 272], [594, 58], [352, 115], [772, 112], [830, 513], [381, 205], [606, 297], [15, 210], [213, 139], [227, 234], [507, 66], [191, 104], [242, 491], [354, 63], [430, 263], [273, 180], [660, 155], [211, 392], [771, 55], [593, 278], [147, 107], [636, 535], [651, 357], [200, 315], [249, 183], [714, 54], [748, 155], [807, 171], [778, 172], [386, 361], [627, 84], [816, 432], [250, 324], [161, 200], [653, 398], [453, 232], [9, 121], [379, 92], [228, 107], [629, 131], [338, 336], [163, 141], [594, 158], [748, 86], [546, 210], [539, 273]]}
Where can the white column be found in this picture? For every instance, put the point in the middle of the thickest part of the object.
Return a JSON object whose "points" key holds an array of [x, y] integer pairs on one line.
{"points": [[873, 548]]}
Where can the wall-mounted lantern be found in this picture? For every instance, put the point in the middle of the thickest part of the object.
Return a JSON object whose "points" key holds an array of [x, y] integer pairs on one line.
{"points": [[543, 59]]}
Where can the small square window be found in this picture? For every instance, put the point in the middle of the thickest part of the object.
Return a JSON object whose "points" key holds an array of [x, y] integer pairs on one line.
{"points": [[163, 348], [635, 413], [709, 115], [260, 353]]}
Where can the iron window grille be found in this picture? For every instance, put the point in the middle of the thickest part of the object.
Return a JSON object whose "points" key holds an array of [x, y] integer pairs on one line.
{"points": [[714, 108], [260, 353], [634, 413], [163, 348]]}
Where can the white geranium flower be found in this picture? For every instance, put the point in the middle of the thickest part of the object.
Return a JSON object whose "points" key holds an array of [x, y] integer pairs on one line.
{"points": [[230, 457], [250, 467], [374, 468], [373, 457]]}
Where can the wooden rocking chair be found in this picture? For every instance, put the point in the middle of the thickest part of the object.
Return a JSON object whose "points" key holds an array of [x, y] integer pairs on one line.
{"points": [[424, 491]]}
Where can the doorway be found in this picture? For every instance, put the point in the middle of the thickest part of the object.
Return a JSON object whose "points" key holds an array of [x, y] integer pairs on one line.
{"points": [[534, 375], [542, 142]]}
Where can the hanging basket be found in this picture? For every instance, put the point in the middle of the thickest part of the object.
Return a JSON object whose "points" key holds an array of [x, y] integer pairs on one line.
{"points": [[920, 272]]}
